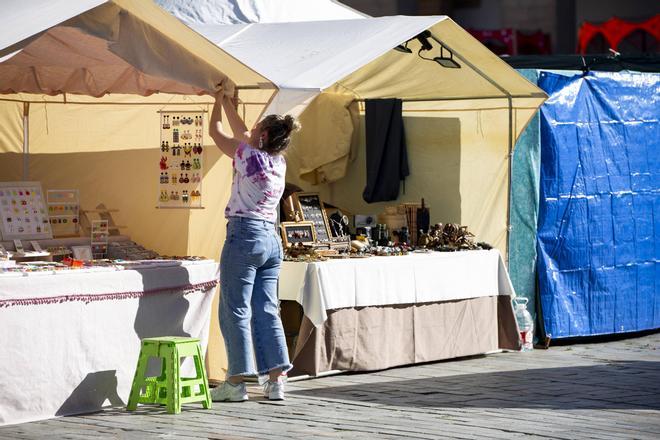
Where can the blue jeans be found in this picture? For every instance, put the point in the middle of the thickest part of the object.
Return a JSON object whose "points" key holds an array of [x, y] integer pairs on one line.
{"points": [[249, 312]]}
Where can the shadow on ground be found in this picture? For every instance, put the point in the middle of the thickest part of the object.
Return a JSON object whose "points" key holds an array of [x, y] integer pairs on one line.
{"points": [[616, 385], [92, 393]]}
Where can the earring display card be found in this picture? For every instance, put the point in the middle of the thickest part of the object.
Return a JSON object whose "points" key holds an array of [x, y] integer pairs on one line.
{"points": [[24, 213], [63, 210], [181, 160], [99, 239]]}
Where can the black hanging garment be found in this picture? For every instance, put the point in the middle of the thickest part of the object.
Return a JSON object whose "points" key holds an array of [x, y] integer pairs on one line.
{"points": [[387, 156]]}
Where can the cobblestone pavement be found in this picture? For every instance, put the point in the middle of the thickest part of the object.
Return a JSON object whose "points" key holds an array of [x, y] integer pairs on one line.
{"points": [[605, 390]]}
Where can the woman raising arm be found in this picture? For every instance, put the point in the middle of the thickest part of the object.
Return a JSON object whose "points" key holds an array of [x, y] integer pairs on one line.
{"points": [[252, 252]]}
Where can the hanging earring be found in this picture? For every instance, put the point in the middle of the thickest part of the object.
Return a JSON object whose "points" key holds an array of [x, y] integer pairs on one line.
{"points": [[261, 143]]}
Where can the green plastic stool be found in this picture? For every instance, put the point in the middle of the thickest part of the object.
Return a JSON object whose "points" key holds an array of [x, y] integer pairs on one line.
{"points": [[169, 388]]}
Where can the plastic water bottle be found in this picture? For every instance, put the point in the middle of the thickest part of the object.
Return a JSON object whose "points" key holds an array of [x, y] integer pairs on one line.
{"points": [[525, 323]]}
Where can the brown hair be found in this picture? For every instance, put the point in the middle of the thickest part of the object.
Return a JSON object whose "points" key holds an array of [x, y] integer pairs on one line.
{"points": [[279, 129]]}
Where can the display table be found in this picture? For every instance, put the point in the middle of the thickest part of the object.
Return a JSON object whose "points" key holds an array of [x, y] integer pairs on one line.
{"points": [[70, 339], [379, 312]]}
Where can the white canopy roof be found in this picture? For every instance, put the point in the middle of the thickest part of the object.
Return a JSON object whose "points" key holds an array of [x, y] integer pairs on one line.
{"points": [[350, 56], [315, 55], [95, 47], [251, 11]]}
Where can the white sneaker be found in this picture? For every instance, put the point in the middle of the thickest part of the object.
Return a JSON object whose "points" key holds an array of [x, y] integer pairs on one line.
{"points": [[274, 390], [229, 392]]}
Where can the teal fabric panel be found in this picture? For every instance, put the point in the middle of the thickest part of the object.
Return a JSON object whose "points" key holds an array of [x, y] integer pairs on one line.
{"points": [[526, 169]]}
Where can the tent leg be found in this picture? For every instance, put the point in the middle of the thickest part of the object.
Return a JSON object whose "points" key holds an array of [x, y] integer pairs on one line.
{"points": [[26, 141], [509, 181]]}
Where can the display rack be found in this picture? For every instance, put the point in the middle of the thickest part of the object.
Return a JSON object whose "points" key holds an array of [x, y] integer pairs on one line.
{"points": [[63, 212], [99, 239], [181, 159], [102, 213]]}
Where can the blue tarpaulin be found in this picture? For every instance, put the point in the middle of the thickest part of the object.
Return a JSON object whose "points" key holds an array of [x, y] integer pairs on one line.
{"points": [[599, 214]]}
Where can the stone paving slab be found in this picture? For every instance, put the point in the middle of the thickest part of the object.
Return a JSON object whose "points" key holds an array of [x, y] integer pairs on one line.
{"points": [[607, 390]]}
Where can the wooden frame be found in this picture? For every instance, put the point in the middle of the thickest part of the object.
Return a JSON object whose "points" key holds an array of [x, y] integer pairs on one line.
{"points": [[311, 208], [297, 232]]}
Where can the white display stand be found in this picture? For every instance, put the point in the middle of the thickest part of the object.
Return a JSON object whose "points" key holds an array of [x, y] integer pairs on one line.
{"points": [[24, 213], [63, 210]]}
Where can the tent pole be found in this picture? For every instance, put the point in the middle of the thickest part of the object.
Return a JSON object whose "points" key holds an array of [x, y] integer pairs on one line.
{"points": [[462, 98], [509, 181], [26, 141], [178, 104]]}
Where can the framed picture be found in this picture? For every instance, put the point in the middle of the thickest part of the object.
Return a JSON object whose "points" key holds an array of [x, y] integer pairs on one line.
{"points": [[311, 207], [297, 232]]}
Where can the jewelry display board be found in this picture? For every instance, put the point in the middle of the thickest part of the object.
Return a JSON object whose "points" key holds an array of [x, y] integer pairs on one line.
{"points": [[99, 239], [312, 209], [63, 211], [24, 213], [181, 161]]}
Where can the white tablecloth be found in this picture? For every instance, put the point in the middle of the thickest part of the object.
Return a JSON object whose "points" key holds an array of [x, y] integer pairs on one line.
{"points": [[409, 279], [70, 341]]}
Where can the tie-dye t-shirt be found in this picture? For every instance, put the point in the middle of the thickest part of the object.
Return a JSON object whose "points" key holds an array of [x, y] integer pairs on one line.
{"points": [[258, 184]]}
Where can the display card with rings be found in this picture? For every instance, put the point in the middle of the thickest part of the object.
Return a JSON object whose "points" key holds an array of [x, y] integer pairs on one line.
{"points": [[181, 159], [24, 213]]}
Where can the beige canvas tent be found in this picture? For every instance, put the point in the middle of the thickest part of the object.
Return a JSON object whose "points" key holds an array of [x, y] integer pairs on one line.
{"points": [[461, 123], [81, 83]]}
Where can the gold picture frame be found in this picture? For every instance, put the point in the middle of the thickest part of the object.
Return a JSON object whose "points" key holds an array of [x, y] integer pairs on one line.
{"points": [[297, 232]]}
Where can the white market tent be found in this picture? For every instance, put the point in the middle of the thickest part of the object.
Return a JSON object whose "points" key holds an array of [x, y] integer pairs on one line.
{"points": [[328, 66], [81, 85], [461, 124]]}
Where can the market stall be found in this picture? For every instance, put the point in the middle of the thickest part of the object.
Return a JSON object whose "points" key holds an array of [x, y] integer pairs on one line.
{"points": [[460, 123], [87, 89]]}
